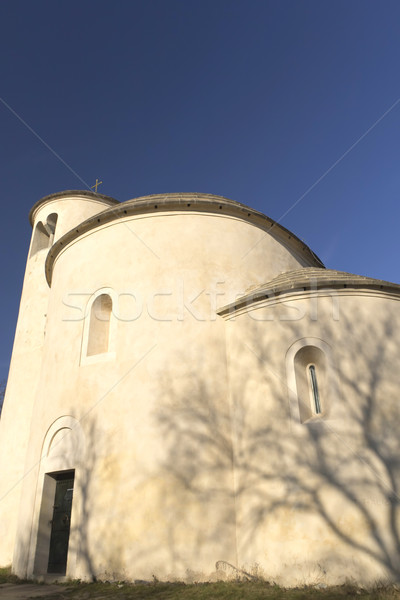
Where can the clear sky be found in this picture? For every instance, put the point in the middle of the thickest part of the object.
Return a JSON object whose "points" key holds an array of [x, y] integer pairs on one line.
{"points": [[270, 103]]}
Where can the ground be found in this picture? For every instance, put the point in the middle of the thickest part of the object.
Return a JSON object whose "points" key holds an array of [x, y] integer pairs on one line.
{"points": [[11, 588]]}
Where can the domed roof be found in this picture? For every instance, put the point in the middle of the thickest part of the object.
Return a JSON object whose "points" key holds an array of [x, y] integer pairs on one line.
{"points": [[184, 202], [68, 194]]}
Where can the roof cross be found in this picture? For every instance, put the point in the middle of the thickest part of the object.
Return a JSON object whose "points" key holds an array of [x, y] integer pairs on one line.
{"points": [[95, 186]]}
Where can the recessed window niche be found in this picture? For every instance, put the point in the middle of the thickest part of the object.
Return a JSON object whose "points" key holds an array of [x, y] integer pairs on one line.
{"points": [[311, 379], [43, 235], [99, 328], [310, 371]]}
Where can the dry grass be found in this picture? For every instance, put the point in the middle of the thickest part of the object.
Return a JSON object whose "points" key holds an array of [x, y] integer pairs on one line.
{"points": [[222, 591], [232, 590]]}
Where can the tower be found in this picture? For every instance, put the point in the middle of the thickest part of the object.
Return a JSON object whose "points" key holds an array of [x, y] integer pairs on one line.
{"points": [[50, 218]]}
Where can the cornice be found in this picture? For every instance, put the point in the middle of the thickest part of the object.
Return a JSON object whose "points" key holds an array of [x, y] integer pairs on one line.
{"points": [[183, 203]]}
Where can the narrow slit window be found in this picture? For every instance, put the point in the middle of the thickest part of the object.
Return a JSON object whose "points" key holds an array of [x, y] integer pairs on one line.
{"points": [[311, 374], [314, 390]]}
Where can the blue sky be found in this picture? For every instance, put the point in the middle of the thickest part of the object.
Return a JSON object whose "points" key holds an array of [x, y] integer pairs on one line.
{"points": [[255, 100]]}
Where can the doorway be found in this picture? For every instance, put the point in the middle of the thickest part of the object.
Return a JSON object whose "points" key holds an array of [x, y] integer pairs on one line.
{"points": [[61, 522]]}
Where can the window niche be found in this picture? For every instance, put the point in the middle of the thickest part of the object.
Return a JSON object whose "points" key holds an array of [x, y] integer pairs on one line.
{"points": [[43, 236], [99, 328], [310, 366], [51, 224]]}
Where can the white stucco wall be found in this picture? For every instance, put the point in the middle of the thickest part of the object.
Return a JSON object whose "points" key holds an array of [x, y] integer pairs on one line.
{"points": [[26, 363], [185, 436], [317, 501], [166, 272]]}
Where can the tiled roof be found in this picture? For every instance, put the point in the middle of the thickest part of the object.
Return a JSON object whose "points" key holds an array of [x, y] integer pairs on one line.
{"points": [[311, 279]]}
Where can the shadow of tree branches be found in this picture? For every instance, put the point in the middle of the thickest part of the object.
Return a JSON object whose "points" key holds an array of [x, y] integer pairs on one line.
{"points": [[337, 476], [234, 478]]}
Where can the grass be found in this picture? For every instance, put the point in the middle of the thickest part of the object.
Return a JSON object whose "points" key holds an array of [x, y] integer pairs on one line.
{"points": [[232, 590], [222, 591], [7, 577]]}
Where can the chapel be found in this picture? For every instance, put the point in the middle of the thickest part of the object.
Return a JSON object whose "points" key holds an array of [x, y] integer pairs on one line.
{"points": [[193, 396]]}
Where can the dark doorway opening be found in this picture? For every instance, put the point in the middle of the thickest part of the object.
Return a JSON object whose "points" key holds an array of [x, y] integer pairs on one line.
{"points": [[61, 522]]}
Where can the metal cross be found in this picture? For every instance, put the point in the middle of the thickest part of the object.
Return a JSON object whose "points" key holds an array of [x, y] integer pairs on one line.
{"points": [[95, 186]]}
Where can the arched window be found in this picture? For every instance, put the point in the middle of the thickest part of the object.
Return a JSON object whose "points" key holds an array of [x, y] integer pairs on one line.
{"points": [[99, 325], [51, 226], [312, 380], [99, 328], [44, 234], [40, 239], [310, 376]]}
